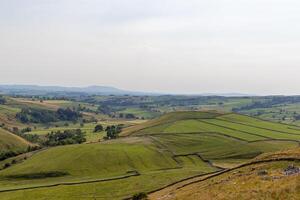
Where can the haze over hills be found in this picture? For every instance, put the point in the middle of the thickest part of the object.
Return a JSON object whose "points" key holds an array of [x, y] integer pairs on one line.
{"points": [[92, 90], [37, 89]]}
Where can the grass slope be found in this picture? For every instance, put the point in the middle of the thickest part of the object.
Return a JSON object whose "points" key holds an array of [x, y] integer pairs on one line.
{"points": [[244, 182], [80, 164], [11, 142], [87, 161], [157, 153], [218, 137], [168, 118]]}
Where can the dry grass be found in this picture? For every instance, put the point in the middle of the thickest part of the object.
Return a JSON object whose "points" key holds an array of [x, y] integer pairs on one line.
{"points": [[243, 183]]}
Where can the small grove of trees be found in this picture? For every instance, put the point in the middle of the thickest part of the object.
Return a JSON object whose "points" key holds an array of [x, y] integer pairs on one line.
{"points": [[127, 116], [64, 138], [35, 115], [112, 132], [98, 128], [67, 114], [105, 109], [2, 100]]}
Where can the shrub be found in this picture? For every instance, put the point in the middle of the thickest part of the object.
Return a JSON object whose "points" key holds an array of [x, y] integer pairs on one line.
{"points": [[6, 165], [2, 100], [139, 196], [98, 128]]}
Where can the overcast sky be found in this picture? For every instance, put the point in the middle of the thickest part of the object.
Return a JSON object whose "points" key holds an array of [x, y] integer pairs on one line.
{"points": [[176, 46]]}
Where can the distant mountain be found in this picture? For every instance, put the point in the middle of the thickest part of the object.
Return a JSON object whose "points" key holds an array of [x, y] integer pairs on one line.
{"points": [[90, 90], [227, 94], [43, 90]]}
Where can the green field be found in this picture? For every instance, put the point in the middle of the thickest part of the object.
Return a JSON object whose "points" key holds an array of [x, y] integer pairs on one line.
{"points": [[141, 113], [148, 156], [86, 166], [11, 142]]}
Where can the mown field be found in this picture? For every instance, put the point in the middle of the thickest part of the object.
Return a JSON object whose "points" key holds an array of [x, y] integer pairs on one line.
{"points": [[146, 157]]}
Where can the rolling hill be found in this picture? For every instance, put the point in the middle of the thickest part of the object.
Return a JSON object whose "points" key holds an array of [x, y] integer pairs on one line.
{"points": [[10, 142], [175, 147], [218, 137]]}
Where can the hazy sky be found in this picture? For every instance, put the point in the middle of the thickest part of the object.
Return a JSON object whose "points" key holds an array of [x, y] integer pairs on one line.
{"points": [[180, 46]]}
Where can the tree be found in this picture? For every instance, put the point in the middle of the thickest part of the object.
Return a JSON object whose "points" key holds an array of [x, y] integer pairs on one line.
{"points": [[2, 100], [113, 131], [98, 128]]}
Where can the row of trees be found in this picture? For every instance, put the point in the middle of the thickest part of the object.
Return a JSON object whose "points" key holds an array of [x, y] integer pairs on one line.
{"points": [[64, 138], [35, 115]]}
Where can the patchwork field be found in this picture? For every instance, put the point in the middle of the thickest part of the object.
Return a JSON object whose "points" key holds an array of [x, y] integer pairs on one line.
{"points": [[147, 157]]}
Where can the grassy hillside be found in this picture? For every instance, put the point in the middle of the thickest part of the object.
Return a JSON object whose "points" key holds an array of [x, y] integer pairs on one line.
{"points": [[167, 119], [11, 142], [218, 137], [123, 166], [150, 156], [262, 178]]}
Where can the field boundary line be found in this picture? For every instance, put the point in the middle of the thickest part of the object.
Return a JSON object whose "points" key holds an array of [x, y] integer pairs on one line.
{"points": [[235, 129], [172, 121], [241, 166], [218, 173], [73, 183], [265, 120], [258, 127]]}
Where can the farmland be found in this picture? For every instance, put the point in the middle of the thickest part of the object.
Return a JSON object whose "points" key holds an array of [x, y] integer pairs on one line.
{"points": [[158, 152]]}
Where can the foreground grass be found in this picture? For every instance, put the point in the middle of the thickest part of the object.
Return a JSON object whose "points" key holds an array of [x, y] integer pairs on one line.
{"points": [[243, 182], [81, 163], [85, 162]]}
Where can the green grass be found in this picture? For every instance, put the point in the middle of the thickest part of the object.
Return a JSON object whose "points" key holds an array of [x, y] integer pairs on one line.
{"points": [[114, 190], [139, 112], [163, 151], [169, 118], [194, 162], [260, 123], [88, 129], [213, 146], [88, 161], [79, 163], [9, 110], [196, 126], [11, 142], [254, 130]]}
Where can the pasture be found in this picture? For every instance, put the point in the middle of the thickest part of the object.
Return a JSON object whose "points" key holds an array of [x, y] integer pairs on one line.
{"points": [[146, 157]]}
